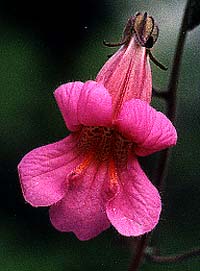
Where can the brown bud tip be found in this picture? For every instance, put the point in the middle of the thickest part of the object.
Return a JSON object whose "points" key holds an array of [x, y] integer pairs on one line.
{"points": [[143, 28], [146, 31]]}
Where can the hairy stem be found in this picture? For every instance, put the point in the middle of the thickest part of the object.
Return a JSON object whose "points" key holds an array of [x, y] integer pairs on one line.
{"points": [[170, 98]]}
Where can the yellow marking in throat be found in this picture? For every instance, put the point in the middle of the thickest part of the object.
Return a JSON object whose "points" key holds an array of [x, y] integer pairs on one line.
{"points": [[112, 173], [84, 165]]}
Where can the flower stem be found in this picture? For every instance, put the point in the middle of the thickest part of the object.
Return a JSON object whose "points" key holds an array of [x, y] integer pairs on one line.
{"points": [[141, 245], [159, 94], [173, 258], [174, 78], [170, 98]]}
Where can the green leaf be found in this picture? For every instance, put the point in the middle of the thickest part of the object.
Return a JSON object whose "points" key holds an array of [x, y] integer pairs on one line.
{"points": [[193, 14]]}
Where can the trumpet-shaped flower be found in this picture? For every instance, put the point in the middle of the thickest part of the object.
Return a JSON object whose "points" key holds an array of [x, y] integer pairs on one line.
{"points": [[92, 178]]}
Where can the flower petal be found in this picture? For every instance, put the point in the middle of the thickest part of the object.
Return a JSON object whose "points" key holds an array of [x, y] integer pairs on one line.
{"points": [[88, 104], [67, 96], [127, 74], [95, 105], [136, 208], [43, 171], [82, 210], [149, 129]]}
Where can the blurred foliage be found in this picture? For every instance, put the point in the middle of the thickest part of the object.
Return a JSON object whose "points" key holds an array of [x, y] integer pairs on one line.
{"points": [[42, 48]]}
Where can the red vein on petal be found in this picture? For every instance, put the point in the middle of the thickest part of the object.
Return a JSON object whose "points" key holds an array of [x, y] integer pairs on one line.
{"points": [[123, 89]]}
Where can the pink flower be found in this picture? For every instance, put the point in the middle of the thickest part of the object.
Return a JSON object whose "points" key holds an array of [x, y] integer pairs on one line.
{"points": [[92, 178]]}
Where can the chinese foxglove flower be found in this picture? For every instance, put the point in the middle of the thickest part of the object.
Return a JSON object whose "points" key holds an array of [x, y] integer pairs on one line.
{"points": [[92, 178]]}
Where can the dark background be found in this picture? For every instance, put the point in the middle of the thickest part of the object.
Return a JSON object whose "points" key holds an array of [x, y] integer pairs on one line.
{"points": [[44, 45]]}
